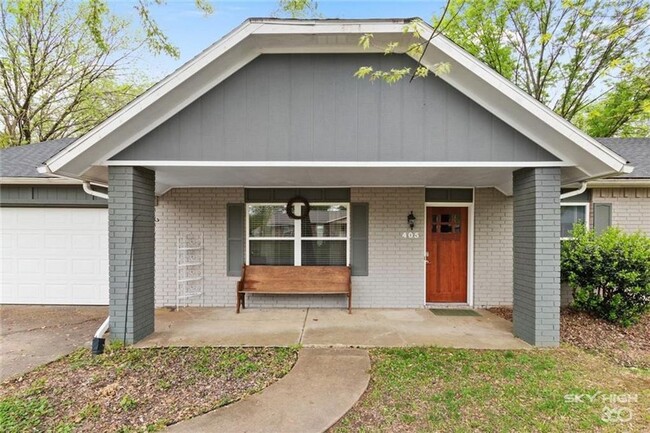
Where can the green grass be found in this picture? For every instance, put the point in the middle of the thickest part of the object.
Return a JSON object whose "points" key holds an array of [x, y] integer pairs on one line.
{"points": [[432, 389], [136, 390]]}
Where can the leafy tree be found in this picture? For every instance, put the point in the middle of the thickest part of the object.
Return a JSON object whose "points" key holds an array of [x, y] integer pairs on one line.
{"points": [[586, 59], [54, 81], [623, 111]]}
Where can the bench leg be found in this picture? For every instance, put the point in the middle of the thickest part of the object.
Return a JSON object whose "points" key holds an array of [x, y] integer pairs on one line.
{"points": [[238, 301], [350, 303], [243, 301]]}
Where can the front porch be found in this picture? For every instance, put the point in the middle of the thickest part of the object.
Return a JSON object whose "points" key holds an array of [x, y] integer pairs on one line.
{"points": [[319, 327]]}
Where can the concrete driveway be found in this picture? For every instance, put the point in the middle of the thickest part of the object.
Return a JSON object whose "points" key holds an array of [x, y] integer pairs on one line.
{"points": [[34, 335]]}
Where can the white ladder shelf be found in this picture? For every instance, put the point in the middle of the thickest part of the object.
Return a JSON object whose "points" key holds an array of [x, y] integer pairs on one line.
{"points": [[189, 273]]}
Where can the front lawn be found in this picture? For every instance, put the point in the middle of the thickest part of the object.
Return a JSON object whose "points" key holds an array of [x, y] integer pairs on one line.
{"points": [[132, 390], [435, 389]]}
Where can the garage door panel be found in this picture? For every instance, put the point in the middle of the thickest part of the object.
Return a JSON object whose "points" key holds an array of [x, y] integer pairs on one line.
{"points": [[86, 241], [28, 241], [56, 242], [54, 256], [57, 267]]}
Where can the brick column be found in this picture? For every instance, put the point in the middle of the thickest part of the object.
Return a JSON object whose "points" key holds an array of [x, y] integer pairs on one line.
{"points": [[536, 254], [131, 271]]}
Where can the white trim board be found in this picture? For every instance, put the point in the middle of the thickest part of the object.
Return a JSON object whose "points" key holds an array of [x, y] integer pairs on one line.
{"points": [[338, 164]]}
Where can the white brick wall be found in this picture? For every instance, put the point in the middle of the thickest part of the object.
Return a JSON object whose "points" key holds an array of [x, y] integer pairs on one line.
{"points": [[630, 207], [195, 210], [396, 265], [492, 248]]}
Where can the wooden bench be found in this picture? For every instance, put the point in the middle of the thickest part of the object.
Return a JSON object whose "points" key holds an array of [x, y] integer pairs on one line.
{"points": [[294, 280]]}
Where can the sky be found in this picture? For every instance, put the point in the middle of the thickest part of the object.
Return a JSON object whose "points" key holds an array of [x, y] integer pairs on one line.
{"points": [[191, 31]]}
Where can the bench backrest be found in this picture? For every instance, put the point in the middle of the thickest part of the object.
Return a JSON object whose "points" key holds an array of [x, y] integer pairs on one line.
{"points": [[298, 279]]}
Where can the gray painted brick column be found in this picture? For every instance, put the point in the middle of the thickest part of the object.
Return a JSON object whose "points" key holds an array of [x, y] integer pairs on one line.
{"points": [[536, 254], [131, 272]]}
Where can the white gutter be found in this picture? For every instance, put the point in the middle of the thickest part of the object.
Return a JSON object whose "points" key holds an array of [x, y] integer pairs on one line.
{"points": [[583, 188], [88, 189]]}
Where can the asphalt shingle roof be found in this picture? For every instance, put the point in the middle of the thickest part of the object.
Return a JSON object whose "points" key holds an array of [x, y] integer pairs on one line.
{"points": [[635, 150], [21, 161]]}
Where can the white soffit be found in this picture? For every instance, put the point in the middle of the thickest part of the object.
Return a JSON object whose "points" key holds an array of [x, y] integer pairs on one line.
{"points": [[258, 36]]}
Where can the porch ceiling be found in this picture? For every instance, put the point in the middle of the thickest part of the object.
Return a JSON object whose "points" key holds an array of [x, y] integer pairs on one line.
{"points": [[175, 177]]}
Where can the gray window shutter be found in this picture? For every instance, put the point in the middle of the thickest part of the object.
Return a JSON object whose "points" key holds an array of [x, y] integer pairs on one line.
{"points": [[602, 216], [235, 229], [359, 239]]}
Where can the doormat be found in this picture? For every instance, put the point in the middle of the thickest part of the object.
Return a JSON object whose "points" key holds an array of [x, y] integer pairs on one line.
{"points": [[453, 312]]}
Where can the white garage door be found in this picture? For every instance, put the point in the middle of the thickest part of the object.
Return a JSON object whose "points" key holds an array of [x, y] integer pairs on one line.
{"points": [[54, 256]]}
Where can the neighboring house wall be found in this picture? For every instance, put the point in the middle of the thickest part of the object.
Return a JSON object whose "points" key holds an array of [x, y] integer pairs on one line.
{"points": [[630, 207], [492, 248], [310, 107], [396, 264]]}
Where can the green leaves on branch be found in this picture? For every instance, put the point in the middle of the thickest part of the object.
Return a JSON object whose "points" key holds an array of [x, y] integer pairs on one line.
{"points": [[154, 38], [571, 55], [392, 76], [299, 8]]}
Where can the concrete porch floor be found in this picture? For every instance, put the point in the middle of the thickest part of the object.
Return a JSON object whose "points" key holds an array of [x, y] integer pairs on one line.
{"points": [[312, 327]]}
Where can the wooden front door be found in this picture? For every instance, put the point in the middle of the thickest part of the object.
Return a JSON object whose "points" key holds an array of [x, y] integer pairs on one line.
{"points": [[446, 254]]}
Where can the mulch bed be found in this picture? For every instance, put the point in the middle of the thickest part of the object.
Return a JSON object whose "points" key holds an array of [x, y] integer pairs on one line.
{"points": [[129, 389], [629, 347]]}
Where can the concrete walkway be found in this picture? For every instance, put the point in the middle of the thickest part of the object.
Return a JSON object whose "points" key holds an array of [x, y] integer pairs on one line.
{"points": [[330, 328], [315, 394]]}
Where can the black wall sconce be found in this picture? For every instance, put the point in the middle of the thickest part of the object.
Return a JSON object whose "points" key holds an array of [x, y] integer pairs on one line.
{"points": [[411, 220]]}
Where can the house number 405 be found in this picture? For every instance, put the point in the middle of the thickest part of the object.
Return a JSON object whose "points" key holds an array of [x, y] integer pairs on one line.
{"points": [[410, 235]]}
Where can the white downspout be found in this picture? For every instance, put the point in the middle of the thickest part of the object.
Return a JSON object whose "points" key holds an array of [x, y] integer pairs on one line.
{"points": [[98, 338], [583, 188]]}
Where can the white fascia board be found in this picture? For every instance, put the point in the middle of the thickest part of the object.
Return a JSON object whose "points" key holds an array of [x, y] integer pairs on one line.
{"points": [[339, 164], [38, 181], [520, 98], [619, 183]]}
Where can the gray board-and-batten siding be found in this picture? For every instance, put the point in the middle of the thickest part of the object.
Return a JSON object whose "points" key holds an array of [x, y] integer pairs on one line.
{"points": [[310, 107]]}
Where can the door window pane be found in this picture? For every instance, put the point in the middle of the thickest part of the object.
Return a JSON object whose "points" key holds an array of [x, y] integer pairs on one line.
{"points": [[269, 222], [571, 215], [326, 222], [324, 253], [271, 252]]}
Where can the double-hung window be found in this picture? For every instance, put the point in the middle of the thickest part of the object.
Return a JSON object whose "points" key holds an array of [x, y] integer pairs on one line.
{"points": [[321, 238], [571, 214]]}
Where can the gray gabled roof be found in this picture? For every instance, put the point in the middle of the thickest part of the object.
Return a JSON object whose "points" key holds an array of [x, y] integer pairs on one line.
{"points": [[635, 150], [22, 161]]}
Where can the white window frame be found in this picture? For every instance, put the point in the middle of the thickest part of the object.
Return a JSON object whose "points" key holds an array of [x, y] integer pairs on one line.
{"points": [[586, 205], [297, 237]]}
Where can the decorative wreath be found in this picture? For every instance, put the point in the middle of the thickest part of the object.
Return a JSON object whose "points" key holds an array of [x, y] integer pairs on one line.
{"points": [[305, 208]]}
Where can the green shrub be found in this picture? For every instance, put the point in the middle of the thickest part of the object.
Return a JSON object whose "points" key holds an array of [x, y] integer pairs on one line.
{"points": [[609, 273]]}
